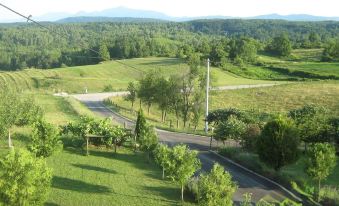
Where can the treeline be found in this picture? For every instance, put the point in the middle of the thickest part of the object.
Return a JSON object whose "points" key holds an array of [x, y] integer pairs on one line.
{"points": [[27, 45]]}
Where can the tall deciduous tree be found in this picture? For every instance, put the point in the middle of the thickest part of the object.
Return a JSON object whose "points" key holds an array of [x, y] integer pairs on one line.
{"points": [[24, 180], [278, 144], [175, 96], [320, 162], [191, 83], [148, 88], [216, 188], [184, 163], [132, 93], [104, 53], [162, 96], [281, 45]]}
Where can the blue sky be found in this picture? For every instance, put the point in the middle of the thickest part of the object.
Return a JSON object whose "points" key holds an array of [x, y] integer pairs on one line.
{"points": [[178, 8]]}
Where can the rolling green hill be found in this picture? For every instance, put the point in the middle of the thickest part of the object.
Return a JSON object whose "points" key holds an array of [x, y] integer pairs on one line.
{"points": [[302, 64], [113, 74]]}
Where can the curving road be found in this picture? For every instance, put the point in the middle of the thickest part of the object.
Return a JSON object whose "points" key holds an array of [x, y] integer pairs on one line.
{"points": [[248, 182]]}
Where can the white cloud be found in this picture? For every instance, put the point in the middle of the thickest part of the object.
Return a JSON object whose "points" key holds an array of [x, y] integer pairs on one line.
{"points": [[239, 8]]}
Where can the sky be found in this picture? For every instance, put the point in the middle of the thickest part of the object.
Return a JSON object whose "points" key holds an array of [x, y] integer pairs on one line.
{"points": [[177, 8]]}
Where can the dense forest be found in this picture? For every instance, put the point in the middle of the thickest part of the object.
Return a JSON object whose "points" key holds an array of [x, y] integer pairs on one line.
{"points": [[30, 46]]}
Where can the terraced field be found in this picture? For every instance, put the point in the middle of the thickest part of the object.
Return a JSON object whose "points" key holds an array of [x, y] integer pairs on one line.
{"points": [[113, 75]]}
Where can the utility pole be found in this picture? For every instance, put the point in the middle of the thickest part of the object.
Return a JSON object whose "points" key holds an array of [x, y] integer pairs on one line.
{"points": [[207, 93]]}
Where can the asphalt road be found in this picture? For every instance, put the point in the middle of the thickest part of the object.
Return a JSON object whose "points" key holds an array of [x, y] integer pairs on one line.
{"points": [[247, 181]]}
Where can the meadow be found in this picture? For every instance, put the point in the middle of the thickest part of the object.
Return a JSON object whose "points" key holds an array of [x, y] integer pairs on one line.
{"points": [[280, 98], [106, 76], [302, 64]]}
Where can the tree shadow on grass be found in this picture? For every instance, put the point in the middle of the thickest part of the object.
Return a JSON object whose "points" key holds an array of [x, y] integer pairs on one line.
{"points": [[171, 194], [174, 202], [50, 204], [163, 62], [94, 168], [77, 185]]}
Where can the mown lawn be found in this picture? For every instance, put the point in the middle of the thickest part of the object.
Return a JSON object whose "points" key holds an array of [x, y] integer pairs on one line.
{"points": [[105, 178]]}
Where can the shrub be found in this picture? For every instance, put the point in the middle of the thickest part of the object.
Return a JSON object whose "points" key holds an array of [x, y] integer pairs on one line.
{"points": [[45, 139], [24, 180], [216, 188], [278, 144]]}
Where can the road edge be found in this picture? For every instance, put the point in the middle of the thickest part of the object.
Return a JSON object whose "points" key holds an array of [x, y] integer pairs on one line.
{"points": [[256, 174], [224, 158]]}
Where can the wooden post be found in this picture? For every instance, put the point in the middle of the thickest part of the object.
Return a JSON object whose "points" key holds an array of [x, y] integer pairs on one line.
{"points": [[87, 153]]}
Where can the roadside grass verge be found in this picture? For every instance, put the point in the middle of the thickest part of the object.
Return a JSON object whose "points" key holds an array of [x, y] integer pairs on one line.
{"points": [[292, 175], [123, 107]]}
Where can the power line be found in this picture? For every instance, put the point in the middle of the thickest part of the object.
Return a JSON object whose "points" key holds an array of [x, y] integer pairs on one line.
{"points": [[29, 19]]}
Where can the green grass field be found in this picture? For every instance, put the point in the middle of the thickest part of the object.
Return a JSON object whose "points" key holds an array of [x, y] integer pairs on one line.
{"points": [[301, 60], [281, 98], [116, 74], [277, 99], [103, 178]]}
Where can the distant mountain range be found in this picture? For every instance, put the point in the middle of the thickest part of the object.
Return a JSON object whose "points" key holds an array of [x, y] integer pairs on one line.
{"points": [[127, 14]]}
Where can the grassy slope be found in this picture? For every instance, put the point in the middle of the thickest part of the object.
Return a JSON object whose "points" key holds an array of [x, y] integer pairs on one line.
{"points": [[96, 77], [304, 60], [102, 178]]}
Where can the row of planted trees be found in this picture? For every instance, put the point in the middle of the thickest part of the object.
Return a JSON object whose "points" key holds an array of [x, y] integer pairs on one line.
{"points": [[183, 95], [180, 164], [25, 178], [277, 138]]}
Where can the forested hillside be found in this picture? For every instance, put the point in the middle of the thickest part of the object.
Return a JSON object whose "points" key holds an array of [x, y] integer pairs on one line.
{"points": [[27, 45]]}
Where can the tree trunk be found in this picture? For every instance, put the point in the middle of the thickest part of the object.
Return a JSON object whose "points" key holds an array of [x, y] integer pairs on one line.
{"points": [[115, 146], [165, 116], [149, 156], [177, 123], [9, 139], [318, 192], [87, 142], [162, 116], [163, 172], [135, 143], [149, 109], [132, 105], [182, 192]]}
